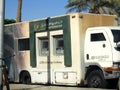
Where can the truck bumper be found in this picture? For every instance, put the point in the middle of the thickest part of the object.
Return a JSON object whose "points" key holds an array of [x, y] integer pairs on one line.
{"points": [[112, 74]]}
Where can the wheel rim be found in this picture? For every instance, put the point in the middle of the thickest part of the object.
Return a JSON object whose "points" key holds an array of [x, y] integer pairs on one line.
{"points": [[95, 82]]}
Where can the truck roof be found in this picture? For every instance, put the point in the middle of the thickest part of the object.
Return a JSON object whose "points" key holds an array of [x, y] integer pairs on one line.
{"points": [[69, 14], [105, 27]]}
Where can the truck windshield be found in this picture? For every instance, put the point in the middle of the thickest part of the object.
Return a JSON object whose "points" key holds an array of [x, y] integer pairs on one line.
{"points": [[116, 35]]}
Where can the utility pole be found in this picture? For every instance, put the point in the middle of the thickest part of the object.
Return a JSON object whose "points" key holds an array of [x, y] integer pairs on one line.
{"points": [[2, 4]]}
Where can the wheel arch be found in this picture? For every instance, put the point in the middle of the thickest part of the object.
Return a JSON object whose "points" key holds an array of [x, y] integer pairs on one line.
{"points": [[91, 68], [24, 72]]}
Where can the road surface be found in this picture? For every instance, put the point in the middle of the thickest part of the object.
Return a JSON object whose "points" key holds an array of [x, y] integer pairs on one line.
{"points": [[43, 87]]}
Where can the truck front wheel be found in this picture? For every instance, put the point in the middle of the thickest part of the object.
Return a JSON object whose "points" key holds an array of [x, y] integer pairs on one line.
{"points": [[95, 79]]}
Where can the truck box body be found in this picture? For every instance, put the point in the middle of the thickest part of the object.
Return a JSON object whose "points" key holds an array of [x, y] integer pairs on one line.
{"points": [[51, 50]]}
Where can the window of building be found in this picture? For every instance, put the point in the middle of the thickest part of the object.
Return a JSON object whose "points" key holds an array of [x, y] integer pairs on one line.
{"points": [[23, 44], [58, 45], [43, 44], [98, 37]]}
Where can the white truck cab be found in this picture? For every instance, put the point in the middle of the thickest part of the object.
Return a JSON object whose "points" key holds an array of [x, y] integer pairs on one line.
{"points": [[102, 50]]}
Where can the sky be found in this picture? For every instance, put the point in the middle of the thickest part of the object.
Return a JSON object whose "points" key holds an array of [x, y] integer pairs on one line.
{"points": [[35, 9]]}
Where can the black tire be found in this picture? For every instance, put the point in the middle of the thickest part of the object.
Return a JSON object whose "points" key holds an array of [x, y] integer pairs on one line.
{"points": [[118, 85], [25, 78], [96, 79]]}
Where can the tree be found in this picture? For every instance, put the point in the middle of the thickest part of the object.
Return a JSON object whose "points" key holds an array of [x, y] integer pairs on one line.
{"points": [[95, 6], [19, 10], [76, 5], [9, 21], [115, 6]]}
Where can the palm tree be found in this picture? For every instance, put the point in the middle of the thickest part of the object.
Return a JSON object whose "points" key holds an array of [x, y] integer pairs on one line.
{"points": [[94, 6], [18, 18], [75, 5], [116, 6]]}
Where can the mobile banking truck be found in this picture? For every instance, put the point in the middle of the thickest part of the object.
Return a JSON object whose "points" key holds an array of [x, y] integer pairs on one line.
{"points": [[72, 49]]}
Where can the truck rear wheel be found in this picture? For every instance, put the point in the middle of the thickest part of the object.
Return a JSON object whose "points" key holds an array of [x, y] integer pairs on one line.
{"points": [[25, 78], [96, 79]]}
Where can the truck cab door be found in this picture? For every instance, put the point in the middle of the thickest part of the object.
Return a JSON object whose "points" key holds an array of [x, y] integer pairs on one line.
{"points": [[98, 47]]}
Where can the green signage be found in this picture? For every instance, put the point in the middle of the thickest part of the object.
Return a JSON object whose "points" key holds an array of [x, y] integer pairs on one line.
{"points": [[50, 24], [47, 24]]}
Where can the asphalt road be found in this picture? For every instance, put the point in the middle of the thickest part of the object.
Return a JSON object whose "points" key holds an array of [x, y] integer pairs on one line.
{"points": [[43, 87]]}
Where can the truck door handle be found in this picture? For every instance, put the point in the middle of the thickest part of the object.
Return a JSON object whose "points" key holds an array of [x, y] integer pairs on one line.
{"points": [[87, 56], [104, 45]]}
